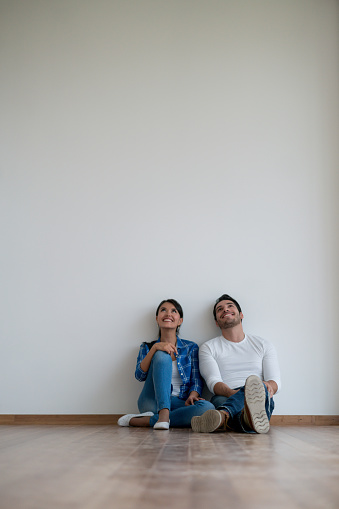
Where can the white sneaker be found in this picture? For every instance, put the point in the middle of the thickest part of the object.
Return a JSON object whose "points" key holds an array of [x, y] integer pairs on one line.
{"points": [[161, 425], [124, 420]]}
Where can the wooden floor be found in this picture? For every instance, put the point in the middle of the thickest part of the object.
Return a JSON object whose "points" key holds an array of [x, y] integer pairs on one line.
{"points": [[47, 467]]}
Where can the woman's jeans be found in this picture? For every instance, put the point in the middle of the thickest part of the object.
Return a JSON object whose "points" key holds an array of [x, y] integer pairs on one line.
{"points": [[156, 395], [234, 406]]}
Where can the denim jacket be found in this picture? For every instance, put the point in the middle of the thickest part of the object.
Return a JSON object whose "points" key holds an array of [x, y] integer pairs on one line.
{"points": [[188, 366]]}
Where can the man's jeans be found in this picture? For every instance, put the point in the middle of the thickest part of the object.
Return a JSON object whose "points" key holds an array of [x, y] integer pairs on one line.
{"points": [[156, 395], [234, 406]]}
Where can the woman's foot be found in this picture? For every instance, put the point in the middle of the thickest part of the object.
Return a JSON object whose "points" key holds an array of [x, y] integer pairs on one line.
{"points": [[135, 419], [161, 425], [163, 420]]}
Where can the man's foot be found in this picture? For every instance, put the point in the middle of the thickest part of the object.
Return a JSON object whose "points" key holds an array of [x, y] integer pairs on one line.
{"points": [[210, 421], [254, 414]]}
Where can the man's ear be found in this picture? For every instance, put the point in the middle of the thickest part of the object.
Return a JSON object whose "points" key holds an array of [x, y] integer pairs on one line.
{"points": [[216, 323], [241, 315]]}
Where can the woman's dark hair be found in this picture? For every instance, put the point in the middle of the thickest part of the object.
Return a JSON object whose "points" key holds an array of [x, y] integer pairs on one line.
{"points": [[225, 297], [175, 304]]}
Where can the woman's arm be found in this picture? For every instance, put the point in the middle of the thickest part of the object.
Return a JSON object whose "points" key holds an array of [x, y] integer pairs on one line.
{"points": [[194, 396], [164, 347], [145, 357]]}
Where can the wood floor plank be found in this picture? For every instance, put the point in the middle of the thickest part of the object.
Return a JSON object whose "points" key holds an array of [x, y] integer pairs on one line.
{"points": [[95, 467], [111, 419]]}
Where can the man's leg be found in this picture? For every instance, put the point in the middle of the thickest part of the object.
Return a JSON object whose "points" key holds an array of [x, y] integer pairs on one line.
{"points": [[250, 408], [258, 407], [230, 412], [223, 417], [181, 415]]}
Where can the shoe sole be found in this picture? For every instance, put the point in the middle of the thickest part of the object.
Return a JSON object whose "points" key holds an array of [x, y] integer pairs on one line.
{"points": [[207, 422], [255, 398]]}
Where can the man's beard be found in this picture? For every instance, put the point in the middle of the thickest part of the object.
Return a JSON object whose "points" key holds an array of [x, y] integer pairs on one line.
{"points": [[230, 324]]}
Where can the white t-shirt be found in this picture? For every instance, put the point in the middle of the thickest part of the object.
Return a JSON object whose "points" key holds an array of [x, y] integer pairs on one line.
{"points": [[221, 360]]}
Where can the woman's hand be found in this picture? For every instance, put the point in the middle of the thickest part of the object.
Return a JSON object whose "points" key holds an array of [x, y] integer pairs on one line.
{"points": [[194, 396], [166, 347]]}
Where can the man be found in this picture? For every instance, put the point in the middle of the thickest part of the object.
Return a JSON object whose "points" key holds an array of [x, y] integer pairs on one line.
{"points": [[242, 372]]}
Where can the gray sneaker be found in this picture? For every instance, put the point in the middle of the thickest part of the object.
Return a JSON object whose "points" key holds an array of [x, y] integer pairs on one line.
{"points": [[208, 422], [254, 415]]}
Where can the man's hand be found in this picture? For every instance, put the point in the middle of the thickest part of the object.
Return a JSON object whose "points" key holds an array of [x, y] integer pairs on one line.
{"points": [[271, 387], [194, 396]]}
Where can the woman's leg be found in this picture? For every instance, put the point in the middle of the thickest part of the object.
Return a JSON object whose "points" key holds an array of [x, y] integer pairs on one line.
{"points": [[181, 415], [156, 394]]}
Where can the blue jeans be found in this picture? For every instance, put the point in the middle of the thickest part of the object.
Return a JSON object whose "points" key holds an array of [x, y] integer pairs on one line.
{"points": [[234, 405], [156, 395]]}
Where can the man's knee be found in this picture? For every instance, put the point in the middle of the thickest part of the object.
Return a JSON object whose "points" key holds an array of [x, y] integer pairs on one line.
{"points": [[218, 401]]}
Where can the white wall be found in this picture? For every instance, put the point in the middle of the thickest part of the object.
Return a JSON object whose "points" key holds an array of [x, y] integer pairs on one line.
{"points": [[162, 149]]}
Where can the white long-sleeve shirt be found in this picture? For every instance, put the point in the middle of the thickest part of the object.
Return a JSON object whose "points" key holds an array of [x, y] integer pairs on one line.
{"points": [[221, 360]]}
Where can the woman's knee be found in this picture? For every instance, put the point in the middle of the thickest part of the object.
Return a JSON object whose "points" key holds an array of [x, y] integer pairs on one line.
{"points": [[161, 358]]}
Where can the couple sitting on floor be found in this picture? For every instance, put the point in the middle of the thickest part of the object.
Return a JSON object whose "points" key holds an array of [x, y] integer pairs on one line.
{"points": [[241, 370]]}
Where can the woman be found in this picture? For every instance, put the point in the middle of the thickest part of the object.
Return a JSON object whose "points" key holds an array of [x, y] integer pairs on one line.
{"points": [[170, 369]]}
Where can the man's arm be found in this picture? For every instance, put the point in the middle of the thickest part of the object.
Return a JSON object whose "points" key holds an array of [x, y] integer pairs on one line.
{"points": [[221, 389], [271, 371], [272, 387], [209, 369]]}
